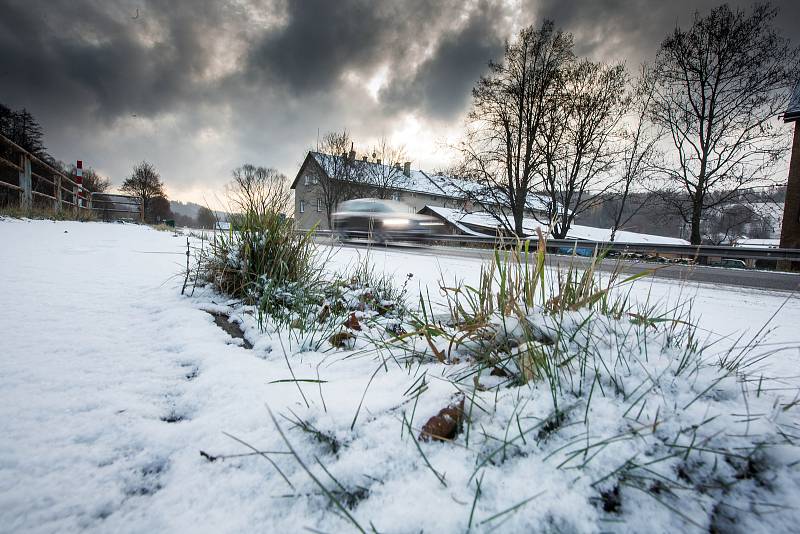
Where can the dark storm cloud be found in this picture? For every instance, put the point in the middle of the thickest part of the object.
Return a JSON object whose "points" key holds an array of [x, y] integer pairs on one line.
{"points": [[440, 86], [632, 30], [321, 40], [80, 57]]}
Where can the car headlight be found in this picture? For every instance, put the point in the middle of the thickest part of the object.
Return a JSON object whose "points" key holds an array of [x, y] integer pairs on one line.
{"points": [[430, 224], [396, 222]]}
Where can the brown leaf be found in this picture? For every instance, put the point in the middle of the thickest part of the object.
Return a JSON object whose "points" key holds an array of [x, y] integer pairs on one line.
{"points": [[340, 340], [352, 323], [436, 352], [498, 371], [446, 424]]}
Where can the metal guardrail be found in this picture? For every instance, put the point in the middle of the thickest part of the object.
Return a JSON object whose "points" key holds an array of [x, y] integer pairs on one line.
{"points": [[686, 251]]}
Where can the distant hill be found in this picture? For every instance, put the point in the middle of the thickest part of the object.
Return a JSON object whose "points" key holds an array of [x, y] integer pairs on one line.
{"points": [[189, 209]]}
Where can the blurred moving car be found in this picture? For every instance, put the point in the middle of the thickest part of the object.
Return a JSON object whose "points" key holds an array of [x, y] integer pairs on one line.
{"points": [[381, 220], [730, 263]]}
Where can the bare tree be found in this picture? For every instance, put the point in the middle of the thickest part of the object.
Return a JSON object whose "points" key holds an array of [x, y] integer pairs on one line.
{"points": [[578, 142], [719, 87], [382, 180], [206, 218], [144, 183], [499, 151], [259, 191], [640, 138], [341, 174], [159, 210]]}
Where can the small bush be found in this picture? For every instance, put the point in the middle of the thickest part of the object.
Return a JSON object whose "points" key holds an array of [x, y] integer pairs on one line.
{"points": [[261, 250], [263, 261]]}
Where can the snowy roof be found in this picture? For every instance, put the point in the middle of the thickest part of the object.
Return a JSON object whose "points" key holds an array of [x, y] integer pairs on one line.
{"points": [[419, 181], [577, 231], [793, 111], [482, 223], [752, 242]]}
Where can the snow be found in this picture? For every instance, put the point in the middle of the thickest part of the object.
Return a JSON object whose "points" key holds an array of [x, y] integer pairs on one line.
{"points": [[100, 351], [490, 226], [578, 231], [752, 242]]}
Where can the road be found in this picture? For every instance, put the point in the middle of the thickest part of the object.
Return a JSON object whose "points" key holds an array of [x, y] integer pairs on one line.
{"points": [[772, 280]]}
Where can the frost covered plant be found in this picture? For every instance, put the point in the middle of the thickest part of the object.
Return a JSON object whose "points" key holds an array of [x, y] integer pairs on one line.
{"points": [[258, 247], [330, 311], [624, 397], [262, 244], [542, 400]]}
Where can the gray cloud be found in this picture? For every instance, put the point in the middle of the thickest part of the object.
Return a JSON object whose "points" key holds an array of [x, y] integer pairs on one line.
{"points": [[441, 85], [74, 58], [632, 30], [319, 40], [213, 83]]}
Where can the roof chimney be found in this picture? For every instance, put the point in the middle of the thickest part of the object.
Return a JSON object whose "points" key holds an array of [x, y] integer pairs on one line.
{"points": [[352, 153], [364, 157], [378, 161], [407, 168]]}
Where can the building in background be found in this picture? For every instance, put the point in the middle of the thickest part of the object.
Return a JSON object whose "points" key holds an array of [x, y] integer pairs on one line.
{"points": [[400, 182]]}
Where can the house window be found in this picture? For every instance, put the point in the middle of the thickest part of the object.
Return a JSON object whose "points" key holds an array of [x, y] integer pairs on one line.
{"points": [[306, 179], [315, 180], [302, 206], [396, 196], [319, 204]]}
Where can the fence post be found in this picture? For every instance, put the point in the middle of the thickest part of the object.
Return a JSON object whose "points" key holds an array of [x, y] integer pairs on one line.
{"points": [[57, 192], [75, 198], [76, 189], [26, 200]]}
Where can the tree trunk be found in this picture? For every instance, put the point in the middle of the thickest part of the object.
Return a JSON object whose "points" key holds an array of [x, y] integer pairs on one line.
{"points": [[697, 211], [518, 228]]}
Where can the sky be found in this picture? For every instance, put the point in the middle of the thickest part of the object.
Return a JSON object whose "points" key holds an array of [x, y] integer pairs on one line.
{"points": [[199, 87]]}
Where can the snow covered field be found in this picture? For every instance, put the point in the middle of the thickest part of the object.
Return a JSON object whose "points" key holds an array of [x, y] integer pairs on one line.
{"points": [[111, 383]]}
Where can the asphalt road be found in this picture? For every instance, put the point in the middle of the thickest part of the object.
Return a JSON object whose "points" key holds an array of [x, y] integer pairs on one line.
{"points": [[718, 276]]}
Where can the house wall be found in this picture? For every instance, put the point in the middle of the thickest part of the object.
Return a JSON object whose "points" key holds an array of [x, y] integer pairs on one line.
{"points": [[312, 193]]}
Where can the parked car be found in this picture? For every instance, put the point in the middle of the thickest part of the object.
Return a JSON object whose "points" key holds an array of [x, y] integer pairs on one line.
{"points": [[586, 252], [730, 263], [381, 220]]}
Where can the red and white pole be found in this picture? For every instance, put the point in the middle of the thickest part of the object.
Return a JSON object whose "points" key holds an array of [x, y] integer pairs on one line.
{"points": [[79, 181]]}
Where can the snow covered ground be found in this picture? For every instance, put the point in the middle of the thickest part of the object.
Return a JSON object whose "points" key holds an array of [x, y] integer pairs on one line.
{"points": [[111, 383]]}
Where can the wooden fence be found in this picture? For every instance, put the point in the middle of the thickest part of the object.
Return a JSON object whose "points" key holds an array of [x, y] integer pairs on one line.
{"points": [[37, 184]]}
